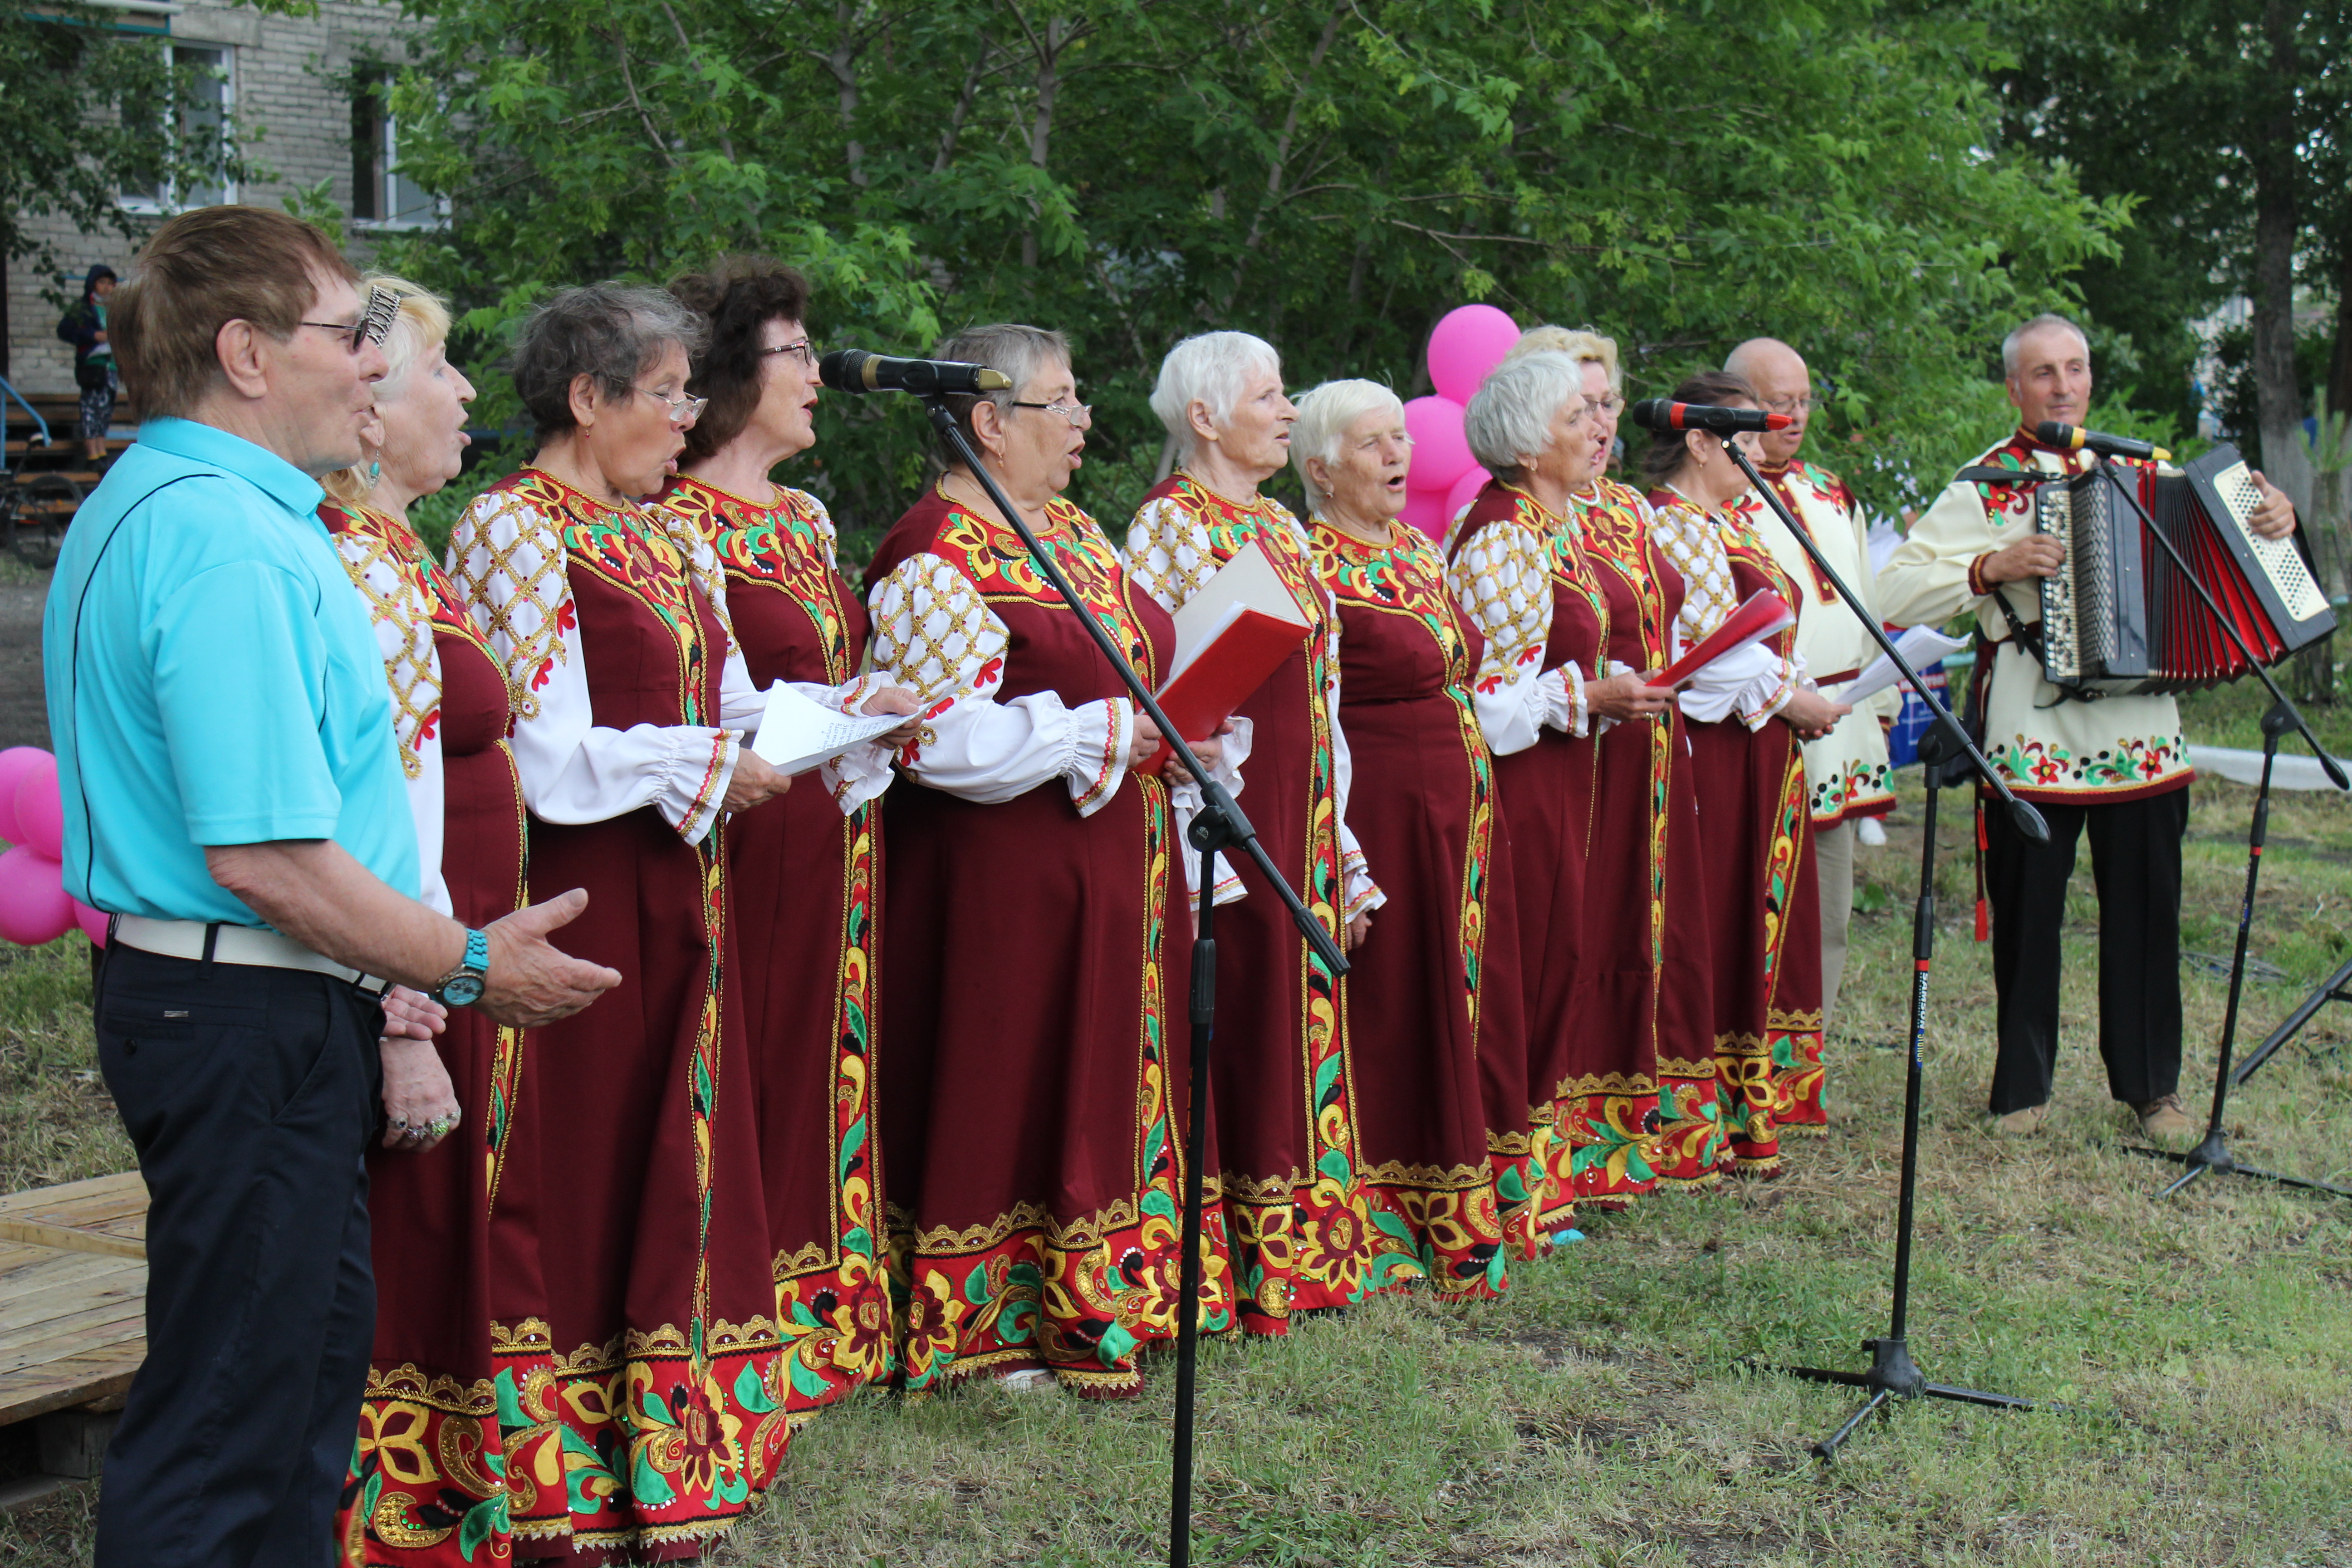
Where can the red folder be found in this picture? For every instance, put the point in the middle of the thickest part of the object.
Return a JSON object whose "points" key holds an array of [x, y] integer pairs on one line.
{"points": [[1763, 613], [1230, 635]]}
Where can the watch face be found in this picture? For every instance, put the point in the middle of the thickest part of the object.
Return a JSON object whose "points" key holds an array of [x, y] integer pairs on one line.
{"points": [[462, 992]]}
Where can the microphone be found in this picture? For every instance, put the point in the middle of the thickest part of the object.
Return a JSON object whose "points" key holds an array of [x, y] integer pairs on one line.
{"points": [[2006, 477], [854, 370], [1664, 414], [2075, 438]]}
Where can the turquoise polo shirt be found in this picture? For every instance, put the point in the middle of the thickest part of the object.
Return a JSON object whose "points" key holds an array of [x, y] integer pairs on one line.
{"points": [[213, 678]]}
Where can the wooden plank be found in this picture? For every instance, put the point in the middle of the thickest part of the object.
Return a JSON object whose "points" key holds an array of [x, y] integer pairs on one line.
{"points": [[77, 1382], [22, 1316], [123, 1186], [65, 1239], [81, 1340]]}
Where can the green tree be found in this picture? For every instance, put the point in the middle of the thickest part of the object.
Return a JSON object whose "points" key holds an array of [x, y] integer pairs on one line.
{"points": [[92, 107], [1333, 176]]}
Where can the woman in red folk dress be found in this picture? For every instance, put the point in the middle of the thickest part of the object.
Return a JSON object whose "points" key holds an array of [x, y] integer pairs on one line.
{"points": [[1745, 715], [1435, 1026], [1034, 1120], [1523, 578], [806, 870], [1652, 976], [438, 1474], [609, 620], [1282, 1093]]}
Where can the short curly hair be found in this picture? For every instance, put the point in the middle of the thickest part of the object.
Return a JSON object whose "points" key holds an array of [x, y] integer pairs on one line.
{"points": [[737, 295], [613, 331]]}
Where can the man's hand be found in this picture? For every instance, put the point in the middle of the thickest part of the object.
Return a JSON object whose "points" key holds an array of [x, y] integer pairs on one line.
{"points": [[2035, 555], [1359, 928], [2274, 516], [1627, 697], [753, 781], [411, 1014], [1813, 715], [530, 982]]}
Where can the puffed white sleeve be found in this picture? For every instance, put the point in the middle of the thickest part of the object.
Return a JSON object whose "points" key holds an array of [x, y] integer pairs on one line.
{"points": [[508, 561], [1185, 805], [1169, 551], [412, 668], [1500, 582], [1755, 682], [934, 635]]}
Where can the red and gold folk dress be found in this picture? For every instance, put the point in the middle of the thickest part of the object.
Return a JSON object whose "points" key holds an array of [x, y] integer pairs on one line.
{"points": [[441, 1469], [807, 884], [1035, 919], [1754, 827], [1523, 579], [1432, 1000], [1283, 1091], [661, 1305], [1644, 974]]}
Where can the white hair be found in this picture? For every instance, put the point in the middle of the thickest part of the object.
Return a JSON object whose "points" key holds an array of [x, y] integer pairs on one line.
{"points": [[1509, 417], [1324, 415], [2040, 323], [1210, 368]]}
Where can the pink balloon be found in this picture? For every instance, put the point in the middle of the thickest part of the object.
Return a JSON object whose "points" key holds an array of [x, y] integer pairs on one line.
{"points": [[1440, 451], [1422, 511], [34, 906], [1465, 491], [40, 813], [93, 922], [1466, 343], [13, 762]]}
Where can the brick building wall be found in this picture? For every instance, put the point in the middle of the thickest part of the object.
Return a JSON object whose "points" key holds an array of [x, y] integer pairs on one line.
{"points": [[295, 125]]}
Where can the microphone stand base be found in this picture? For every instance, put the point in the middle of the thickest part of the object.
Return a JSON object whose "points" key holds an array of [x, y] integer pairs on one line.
{"points": [[1893, 1375], [2213, 1155]]}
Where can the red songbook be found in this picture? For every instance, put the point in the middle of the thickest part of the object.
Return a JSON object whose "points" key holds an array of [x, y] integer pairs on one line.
{"points": [[1229, 636], [1763, 613]]}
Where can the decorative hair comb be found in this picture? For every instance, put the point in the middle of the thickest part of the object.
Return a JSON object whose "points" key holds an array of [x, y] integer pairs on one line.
{"points": [[382, 306]]}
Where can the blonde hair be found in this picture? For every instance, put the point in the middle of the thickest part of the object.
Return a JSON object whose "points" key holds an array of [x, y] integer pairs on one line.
{"points": [[421, 324], [1324, 415], [1581, 345]]}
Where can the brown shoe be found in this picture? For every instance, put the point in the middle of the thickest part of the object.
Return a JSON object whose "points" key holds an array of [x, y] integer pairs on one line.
{"points": [[2165, 1119], [2022, 1123]]}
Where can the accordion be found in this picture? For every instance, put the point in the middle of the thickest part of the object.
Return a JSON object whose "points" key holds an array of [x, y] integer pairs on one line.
{"points": [[2119, 618]]}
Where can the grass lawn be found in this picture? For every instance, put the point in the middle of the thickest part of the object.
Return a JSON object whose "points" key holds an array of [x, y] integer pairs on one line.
{"points": [[1602, 1414]]}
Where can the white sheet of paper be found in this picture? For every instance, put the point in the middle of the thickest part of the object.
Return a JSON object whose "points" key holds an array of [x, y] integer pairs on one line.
{"points": [[1923, 646], [796, 734]]}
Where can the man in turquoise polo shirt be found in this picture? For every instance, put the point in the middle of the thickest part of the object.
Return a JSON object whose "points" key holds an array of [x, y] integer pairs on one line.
{"points": [[234, 798]]}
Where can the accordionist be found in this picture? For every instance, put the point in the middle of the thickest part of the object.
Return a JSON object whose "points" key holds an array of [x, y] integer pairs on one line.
{"points": [[2118, 768]]}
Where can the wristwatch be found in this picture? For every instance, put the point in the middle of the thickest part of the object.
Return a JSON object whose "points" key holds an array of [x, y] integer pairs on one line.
{"points": [[462, 986]]}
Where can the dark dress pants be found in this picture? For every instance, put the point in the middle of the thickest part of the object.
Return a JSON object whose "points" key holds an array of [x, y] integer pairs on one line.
{"points": [[2136, 867], [250, 1094]]}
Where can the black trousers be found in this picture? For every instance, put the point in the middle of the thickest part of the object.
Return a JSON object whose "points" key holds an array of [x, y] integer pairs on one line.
{"points": [[2136, 867], [250, 1095]]}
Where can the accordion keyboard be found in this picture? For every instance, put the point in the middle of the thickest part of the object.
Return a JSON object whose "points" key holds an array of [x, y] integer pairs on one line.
{"points": [[2062, 642], [2279, 557]]}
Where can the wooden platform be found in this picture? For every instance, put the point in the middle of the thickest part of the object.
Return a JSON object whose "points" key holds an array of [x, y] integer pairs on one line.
{"points": [[73, 1294]]}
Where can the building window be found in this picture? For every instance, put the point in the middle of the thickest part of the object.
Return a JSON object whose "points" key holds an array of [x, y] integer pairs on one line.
{"points": [[204, 125], [381, 194]]}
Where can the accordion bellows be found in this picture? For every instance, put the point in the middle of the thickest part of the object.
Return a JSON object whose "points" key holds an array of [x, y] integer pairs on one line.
{"points": [[2119, 617]]}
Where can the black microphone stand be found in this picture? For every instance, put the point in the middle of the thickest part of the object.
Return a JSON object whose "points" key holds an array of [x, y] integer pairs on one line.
{"points": [[1218, 825], [2213, 1153], [1947, 757]]}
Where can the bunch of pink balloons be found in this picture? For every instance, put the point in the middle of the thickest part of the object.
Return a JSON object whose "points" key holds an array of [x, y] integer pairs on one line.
{"points": [[1444, 478], [34, 906]]}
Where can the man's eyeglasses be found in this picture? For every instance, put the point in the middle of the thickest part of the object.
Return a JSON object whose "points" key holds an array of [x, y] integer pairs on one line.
{"points": [[372, 327], [1076, 413], [804, 351], [1791, 405], [683, 410]]}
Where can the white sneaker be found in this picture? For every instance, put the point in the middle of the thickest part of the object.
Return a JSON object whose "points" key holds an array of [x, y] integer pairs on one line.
{"points": [[1028, 1380]]}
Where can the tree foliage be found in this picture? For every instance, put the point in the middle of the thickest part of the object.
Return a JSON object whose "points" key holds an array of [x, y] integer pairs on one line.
{"points": [[89, 105], [1333, 176]]}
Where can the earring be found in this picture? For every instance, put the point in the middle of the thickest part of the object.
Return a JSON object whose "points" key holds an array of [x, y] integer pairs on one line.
{"points": [[375, 472]]}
